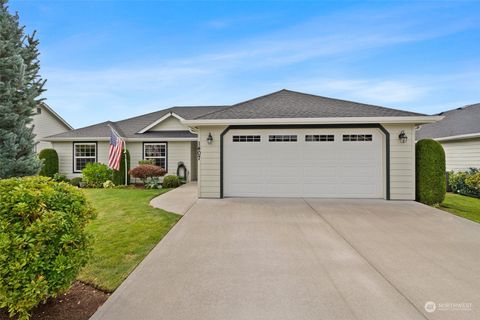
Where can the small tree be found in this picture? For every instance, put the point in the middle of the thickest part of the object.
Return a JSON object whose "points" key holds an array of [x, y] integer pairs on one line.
{"points": [[50, 162], [430, 172], [119, 176], [20, 87], [146, 172]]}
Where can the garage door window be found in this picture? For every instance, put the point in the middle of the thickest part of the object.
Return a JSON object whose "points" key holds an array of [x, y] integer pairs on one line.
{"points": [[357, 137], [282, 138], [319, 137], [246, 138]]}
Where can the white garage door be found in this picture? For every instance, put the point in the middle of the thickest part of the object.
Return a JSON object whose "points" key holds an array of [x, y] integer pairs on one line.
{"points": [[333, 163]]}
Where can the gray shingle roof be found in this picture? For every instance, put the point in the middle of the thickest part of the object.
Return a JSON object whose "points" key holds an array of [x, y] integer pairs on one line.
{"points": [[129, 127], [280, 104], [291, 104], [460, 121]]}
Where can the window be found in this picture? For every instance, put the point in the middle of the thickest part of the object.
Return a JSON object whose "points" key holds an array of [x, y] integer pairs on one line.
{"points": [[282, 138], [39, 110], [319, 137], [83, 153], [156, 152], [357, 137], [246, 138]]}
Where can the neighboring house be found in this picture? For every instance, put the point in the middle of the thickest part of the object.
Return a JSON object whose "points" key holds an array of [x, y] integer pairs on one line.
{"points": [[47, 122], [284, 144], [459, 134]]}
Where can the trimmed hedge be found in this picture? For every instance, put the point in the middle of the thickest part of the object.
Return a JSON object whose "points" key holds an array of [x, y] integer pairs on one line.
{"points": [[430, 172], [43, 243], [118, 177], [50, 162], [171, 182]]}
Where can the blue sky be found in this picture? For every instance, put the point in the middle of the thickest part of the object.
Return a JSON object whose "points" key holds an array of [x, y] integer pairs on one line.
{"points": [[109, 60]]}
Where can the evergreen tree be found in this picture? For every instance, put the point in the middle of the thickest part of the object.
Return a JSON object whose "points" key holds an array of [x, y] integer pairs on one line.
{"points": [[20, 88]]}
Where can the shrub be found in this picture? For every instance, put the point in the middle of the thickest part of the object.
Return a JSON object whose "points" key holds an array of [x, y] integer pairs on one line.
{"points": [[146, 172], [119, 176], [465, 182], [473, 183], [50, 162], [59, 177], [149, 161], [95, 174], [76, 181], [430, 172], [171, 182], [153, 183], [43, 243], [108, 184]]}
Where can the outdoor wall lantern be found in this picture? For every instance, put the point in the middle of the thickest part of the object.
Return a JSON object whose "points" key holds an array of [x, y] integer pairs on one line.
{"points": [[402, 137], [209, 138]]}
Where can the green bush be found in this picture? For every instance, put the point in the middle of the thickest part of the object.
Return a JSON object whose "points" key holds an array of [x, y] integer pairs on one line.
{"points": [[43, 243], [119, 176], [473, 182], [59, 177], [149, 161], [50, 162], [108, 184], [95, 174], [430, 172], [465, 182], [171, 182], [75, 181]]}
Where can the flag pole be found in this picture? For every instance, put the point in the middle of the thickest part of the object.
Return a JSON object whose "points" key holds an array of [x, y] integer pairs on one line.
{"points": [[124, 151]]}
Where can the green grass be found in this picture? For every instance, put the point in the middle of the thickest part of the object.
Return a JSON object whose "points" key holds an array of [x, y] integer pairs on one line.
{"points": [[125, 231], [463, 206]]}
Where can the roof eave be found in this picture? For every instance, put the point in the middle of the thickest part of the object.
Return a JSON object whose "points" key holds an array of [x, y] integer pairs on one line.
{"points": [[459, 137], [86, 139], [333, 120]]}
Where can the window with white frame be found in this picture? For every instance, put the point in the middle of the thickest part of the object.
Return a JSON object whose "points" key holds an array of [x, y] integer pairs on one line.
{"points": [[156, 152], [83, 153]]}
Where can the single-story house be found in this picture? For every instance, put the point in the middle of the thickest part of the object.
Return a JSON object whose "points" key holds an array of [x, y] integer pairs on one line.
{"points": [[459, 134], [47, 122], [284, 144]]}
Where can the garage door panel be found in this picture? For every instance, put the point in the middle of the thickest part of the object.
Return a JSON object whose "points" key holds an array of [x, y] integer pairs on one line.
{"points": [[343, 169]]}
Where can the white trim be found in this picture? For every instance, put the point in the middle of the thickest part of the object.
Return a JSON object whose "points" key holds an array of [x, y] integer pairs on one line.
{"points": [[459, 137], [342, 120], [165, 146], [86, 139], [168, 115], [65, 123], [75, 157]]}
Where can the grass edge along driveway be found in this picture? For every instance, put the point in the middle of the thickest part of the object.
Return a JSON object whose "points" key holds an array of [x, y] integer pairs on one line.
{"points": [[462, 206], [125, 231]]}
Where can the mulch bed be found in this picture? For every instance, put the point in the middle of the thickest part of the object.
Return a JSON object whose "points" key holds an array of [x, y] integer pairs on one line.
{"points": [[79, 303]]}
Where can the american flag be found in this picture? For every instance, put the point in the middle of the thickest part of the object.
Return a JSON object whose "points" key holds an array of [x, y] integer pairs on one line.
{"points": [[115, 152]]}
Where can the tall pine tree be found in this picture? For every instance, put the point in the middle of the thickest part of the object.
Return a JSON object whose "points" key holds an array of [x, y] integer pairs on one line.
{"points": [[20, 88]]}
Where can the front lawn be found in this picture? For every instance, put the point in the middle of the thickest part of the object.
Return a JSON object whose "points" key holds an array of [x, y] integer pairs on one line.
{"points": [[463, 206], [125, 231]]}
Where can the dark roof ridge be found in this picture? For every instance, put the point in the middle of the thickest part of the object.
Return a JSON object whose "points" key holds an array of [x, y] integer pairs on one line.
{"points": [[245, 101]]}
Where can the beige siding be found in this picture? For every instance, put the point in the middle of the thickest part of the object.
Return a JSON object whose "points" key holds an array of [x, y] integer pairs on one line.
{"points": [[45, 124], [177, 151], [462, 154], [209, 164], [171, 123], [402, 162]]}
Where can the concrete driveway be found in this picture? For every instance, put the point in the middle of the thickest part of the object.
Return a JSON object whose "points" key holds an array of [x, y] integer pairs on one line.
{"points": [[307, 259]]}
